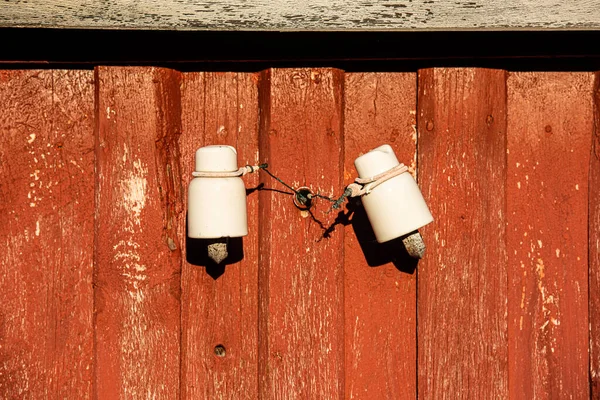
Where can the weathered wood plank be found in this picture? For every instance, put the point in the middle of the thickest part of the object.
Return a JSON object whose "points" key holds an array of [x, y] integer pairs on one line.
{"points": [[594, 250], [380, 296], [138, 261], [303, 16], [220, 306], [46, 230], [301, 308], [549, 133], [462, 327]]}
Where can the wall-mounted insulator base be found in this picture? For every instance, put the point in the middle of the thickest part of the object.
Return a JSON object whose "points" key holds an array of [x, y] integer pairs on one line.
{"points": [[217, 251], [414, 244], [303, 198]]}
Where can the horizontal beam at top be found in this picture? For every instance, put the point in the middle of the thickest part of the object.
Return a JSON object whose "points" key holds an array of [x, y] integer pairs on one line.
{"points": [[255, 51], [313, 15]]}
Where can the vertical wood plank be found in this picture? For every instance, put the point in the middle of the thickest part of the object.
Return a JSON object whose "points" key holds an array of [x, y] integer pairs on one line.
{"points": [[220, 305], [138, 261], [46, 230], [301, 314], [594, 250], [549, 132], [380, 286], [462, 338]]}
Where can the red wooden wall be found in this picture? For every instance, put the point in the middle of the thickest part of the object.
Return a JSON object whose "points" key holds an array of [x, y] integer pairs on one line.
{"points": [[102, 295]]}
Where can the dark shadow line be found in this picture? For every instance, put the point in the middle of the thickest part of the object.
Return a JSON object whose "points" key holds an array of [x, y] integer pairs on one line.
{"points": [[261, 188]]}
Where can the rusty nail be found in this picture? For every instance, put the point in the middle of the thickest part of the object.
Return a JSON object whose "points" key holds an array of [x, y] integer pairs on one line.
{"points": [[316, 77], [220, 350], [429, 125]]}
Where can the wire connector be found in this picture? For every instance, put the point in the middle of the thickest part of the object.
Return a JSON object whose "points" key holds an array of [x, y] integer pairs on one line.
{"points": [[364, 186]]}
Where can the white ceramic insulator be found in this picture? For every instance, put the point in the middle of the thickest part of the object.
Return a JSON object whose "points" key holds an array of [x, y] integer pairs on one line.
{"points": [[217, 206], [217, 158], [396, 207]]}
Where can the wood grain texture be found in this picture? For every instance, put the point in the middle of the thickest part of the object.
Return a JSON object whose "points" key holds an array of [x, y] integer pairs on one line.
{"points": [[380, 296], [137, 260], [46, 230], [302, 16], [547, 207], [220, 306], [462, 327], [594, 244], [301, 310]]}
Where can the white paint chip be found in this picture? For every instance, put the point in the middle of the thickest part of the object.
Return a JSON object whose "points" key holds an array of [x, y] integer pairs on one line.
{"points": [[134, 190], [31, 138], [521, 323]]}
